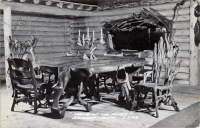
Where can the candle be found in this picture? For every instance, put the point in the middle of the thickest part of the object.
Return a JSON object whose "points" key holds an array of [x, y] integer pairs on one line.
{"points": [[83, 36], [88, 35], [101, 33], [79, 34], [93, 33]]}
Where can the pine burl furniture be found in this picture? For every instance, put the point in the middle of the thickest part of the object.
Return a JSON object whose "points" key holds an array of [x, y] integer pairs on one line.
{"points": [[75, 68]]}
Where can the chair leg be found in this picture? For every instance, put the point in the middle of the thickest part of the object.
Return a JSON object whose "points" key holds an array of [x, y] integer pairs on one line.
{"points": [[157, 115], [113, 87], [121, 95], [156, 102], [106, 87], [13, 104], [97, 87], [134, 105], [128, 97], [14, 100], [13, 93], [174, 105], [35, 104], [49, 91]]}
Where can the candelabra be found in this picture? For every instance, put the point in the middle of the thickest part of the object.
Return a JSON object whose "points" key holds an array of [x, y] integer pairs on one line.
{"points": [[82, 41]]}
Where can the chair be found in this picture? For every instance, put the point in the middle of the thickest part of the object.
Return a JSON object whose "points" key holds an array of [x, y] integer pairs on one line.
{"points": [[122, 80], [25, 87], [145, 70], [103, 81], [161, 91], [50, 74], [50, 77]]}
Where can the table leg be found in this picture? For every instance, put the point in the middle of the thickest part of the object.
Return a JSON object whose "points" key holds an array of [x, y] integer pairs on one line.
{"points": [[82, 102], [97, 86], [121, 95], [57, 110]]}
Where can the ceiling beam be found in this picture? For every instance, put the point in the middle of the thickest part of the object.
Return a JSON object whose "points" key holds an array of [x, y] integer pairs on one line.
{"points": [[2, 6], [49, 10], [40, 9]]}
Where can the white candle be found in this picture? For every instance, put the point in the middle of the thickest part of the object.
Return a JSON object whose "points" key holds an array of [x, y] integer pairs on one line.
{"points": [[88, 32], [101, 33], [79, 34], [83, 36], [93, 33]]}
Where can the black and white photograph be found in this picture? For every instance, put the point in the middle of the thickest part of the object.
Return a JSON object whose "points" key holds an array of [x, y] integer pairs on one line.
{"points": [[99, 63]]}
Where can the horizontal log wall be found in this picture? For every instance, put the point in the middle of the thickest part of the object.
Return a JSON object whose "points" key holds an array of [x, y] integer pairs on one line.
{"points": [[53, 34], [181, 27], [2, 54]]}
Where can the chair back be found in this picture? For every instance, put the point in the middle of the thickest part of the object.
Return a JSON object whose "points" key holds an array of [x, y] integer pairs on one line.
{"points": [[165, 55], [121, 74], [21, 72], [50, 74], [158, 59], [20, 49], [172, 71]]}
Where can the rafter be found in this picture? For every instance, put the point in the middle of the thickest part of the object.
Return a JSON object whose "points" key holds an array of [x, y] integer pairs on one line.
{"points": [[53, 10]]}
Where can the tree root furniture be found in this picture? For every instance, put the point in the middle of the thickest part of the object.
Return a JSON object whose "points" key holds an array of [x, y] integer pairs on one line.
{"points": [[164, 58], [25, 87], [20, 54], [161, 93], [83, 71]]}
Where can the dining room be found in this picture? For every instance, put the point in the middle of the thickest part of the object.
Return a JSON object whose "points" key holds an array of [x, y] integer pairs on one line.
{"points": [[116, 63]]}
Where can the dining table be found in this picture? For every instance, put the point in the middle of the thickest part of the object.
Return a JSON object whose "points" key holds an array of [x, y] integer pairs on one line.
{"points": [[103, 64]]}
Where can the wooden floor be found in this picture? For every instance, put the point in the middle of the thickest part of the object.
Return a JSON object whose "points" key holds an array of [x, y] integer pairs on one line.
{"points": [[105, 113]]}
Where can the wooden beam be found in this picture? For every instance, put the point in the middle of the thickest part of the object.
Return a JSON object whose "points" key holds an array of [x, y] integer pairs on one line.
{"points": [[194, 68], [43, 9], [7, 33], [2, 6]]}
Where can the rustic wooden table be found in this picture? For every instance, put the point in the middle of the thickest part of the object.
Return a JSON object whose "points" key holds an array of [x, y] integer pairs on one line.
{"points": [[94, 67], [102, 64]]}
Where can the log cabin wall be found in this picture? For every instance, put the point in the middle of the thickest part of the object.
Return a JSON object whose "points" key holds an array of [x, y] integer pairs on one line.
{"points": [[53, 33], [181, 27], [2, 58]]}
